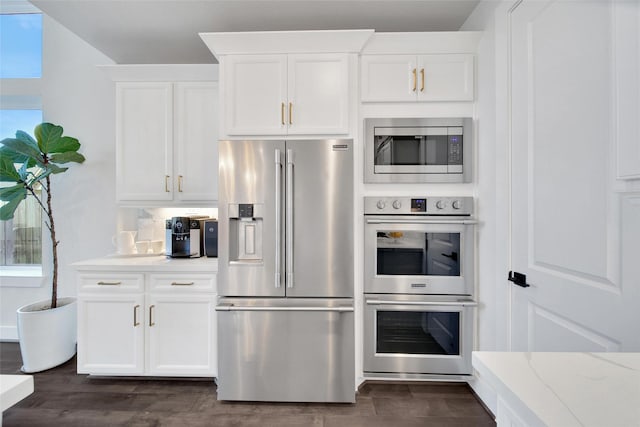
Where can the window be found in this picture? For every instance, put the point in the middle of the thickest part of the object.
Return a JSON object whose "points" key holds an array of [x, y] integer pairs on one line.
{"points": [[21, 109]]}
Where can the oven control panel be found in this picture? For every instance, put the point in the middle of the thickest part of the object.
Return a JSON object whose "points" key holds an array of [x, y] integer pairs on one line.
{"points": [[450, 206]]}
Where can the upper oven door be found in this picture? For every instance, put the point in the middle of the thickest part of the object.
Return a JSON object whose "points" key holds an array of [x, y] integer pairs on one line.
{"points": [[418, 256]]}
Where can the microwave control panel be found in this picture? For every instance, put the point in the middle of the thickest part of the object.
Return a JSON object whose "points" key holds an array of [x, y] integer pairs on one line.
{"points": [[426, 206]]}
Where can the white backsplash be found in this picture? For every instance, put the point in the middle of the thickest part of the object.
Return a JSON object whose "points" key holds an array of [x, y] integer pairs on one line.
{"points": [[149, 223]]}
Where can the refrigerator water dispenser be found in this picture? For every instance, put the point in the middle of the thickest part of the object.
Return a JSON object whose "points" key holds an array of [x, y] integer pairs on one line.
{"points": [[245, 232]]}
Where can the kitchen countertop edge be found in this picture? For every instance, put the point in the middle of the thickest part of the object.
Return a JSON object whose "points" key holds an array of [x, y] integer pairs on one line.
{"points": [[152, 264]]}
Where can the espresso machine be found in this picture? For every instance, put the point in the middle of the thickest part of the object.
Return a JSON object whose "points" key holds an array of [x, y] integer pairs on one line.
{"points": [[183, 237]]}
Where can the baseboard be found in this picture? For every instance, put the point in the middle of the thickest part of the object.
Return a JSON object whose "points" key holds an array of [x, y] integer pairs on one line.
{"points": [[485, 392], [8, 333]]}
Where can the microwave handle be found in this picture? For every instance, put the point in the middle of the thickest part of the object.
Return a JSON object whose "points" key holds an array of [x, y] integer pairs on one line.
{"points": [[421, 221], [424, 303]]}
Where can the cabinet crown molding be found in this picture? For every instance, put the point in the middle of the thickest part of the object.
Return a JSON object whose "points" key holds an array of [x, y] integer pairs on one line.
{"points": [[161, 72], [423, 42], [256, 42]]}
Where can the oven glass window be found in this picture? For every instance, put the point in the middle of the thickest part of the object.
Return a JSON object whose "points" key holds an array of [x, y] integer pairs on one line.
{"points": [[415, 332], [414, 253], [411, 150]]}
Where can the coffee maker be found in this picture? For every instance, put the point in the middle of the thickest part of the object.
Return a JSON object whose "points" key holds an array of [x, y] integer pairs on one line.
{"points": [[183, 237]]}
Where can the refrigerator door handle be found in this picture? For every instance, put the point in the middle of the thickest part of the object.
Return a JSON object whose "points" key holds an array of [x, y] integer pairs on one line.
{"points": [[278, 201], [289, 215]]}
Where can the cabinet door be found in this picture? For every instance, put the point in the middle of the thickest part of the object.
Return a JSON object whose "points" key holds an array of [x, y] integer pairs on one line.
{"points": [[389, 78], [196, 141], [144, 138], [318, 92], [255, 94], [445, 77], [111, 334], [182, 335]]}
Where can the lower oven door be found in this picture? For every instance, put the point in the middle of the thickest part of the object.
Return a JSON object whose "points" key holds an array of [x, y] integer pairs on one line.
{"points": [[406, 334]]}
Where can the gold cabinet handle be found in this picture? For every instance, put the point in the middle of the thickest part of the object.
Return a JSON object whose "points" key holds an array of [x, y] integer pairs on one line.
{"points": [[422, 80], [415, 79], [282, 114], [291, 113], [151, 323], [109, 283], [181, 283], [180, 183], [135, 315], [166, 183]]}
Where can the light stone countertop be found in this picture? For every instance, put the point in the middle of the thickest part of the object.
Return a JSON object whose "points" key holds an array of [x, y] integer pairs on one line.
{"points": [[14, 388], [152, 263], [566, 389]]}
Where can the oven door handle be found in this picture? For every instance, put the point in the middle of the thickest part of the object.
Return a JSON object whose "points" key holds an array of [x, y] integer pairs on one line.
{"points": [[421, 221], [424, 303]]}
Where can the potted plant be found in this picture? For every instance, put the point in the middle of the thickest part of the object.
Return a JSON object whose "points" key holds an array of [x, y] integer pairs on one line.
{"points": [[46, 329]]}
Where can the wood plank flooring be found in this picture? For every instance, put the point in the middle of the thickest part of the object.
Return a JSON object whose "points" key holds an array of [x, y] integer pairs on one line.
{"points": [[63, 398]]}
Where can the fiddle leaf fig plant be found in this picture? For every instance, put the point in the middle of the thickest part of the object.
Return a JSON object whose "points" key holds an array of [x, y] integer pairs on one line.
{"points": [[27, 163]]}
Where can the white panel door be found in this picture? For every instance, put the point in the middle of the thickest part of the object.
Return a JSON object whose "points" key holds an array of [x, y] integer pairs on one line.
{"points": [[445, 77], [111, 334], [318, 93], [255, 94], [566, 221], [144, 141], [182, 335], [196, 141], [388, 78]]}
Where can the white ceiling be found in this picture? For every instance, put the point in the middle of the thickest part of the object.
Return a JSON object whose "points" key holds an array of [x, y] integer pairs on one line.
{"points": [[166, 31]]}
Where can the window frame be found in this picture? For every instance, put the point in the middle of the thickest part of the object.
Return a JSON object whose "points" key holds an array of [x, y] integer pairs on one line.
{"points": [[24, 94]]}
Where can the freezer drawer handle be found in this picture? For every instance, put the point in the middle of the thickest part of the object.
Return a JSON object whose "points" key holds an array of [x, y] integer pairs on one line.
{"points": [[424, 303], [253, 308], [421, 221]]}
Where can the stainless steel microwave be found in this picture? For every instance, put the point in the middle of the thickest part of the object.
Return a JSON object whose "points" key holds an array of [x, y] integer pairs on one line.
{"points": [[416, 150]]}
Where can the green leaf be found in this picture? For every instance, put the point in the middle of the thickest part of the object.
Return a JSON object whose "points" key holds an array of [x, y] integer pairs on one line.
{"points": [[7, 210], [9, 193], [51, 168], [22, 147], [23, 136], [47, 134], [8, 172], [67, 157], [64, 145], [10, 154]]}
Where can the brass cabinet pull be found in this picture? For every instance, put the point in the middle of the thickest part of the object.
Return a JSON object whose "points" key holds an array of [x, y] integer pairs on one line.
{"points": [[291, 113], [135, 315], [422, 80], [282, 114], [151, 323], [180, 183], [109, 283], [415, 79], [181, 284], [166, 183]]}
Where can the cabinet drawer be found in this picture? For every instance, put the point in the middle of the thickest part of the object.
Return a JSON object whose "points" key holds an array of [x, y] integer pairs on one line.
{"points": [[182, 282], [106, 282]]}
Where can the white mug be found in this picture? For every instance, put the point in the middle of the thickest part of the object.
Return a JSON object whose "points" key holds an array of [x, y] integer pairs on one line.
{"points": [[124, 242]]}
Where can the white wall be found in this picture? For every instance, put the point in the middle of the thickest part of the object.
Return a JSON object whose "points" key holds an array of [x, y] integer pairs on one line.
{"points": [[80, 97]]}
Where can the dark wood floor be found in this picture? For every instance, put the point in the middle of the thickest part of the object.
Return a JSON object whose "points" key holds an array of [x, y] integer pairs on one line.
{"points": [[63, 398]]}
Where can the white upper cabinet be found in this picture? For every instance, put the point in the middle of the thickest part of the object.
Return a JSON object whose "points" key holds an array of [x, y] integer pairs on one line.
{"points": [[296, 94], [144, 141], [407, 78], [166, 141], [279, 83]]}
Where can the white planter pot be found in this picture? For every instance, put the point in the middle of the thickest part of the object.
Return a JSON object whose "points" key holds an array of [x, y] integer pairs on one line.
{"points": [[47, 337]]}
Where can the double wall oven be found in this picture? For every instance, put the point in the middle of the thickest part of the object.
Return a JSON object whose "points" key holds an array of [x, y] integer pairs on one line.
{"points": [[419, 286]]}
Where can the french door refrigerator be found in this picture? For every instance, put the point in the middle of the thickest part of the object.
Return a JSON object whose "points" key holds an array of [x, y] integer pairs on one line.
{"points": [[285, 279]]}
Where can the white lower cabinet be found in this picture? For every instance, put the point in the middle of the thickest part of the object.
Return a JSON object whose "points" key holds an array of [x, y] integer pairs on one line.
{"points": [[168, 330]]}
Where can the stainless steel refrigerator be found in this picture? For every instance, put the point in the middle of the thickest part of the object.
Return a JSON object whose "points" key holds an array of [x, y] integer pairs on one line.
{"points": [[285, 280]]}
